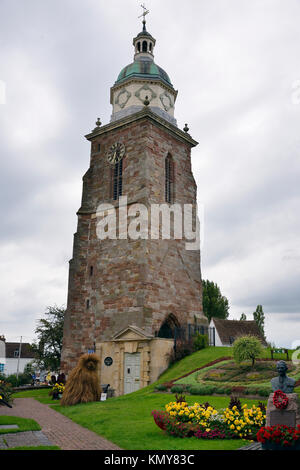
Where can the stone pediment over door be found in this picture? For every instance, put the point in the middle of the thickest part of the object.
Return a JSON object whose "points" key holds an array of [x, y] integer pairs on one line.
{"points": [[131, 333]]}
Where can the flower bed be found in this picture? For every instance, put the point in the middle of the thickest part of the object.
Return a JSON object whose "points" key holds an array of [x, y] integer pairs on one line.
{"points": [[57, 391], [279, 436], [203, 421], [5, 393]]}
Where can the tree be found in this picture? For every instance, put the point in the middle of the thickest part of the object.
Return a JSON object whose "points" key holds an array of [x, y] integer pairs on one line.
{"points": [[246, 348], [214, 303], [243, 317], [50, 335], [259, 317]]}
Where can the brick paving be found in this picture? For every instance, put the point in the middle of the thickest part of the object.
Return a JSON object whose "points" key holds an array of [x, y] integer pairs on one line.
{"points": [[58, 429]]}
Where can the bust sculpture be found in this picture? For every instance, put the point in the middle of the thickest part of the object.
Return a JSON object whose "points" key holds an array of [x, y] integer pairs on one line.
{"points": [[282, 382]]}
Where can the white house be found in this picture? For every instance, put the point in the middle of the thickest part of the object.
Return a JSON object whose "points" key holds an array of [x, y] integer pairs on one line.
{"points": [[10, 362], [2, 354], [227, 331]]}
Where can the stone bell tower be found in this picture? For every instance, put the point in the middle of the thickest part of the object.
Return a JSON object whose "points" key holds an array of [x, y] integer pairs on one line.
{"points": [[130, 290]]}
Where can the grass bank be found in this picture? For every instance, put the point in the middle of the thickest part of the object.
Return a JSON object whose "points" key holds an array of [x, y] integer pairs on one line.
{"points": [[127, 420]]}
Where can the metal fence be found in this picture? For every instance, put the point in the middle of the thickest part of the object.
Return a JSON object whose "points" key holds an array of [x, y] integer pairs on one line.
{"points": [[187, 334]]}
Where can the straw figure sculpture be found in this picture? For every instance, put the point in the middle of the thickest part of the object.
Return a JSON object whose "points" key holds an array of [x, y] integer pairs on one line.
{"points": [[83, 385]]}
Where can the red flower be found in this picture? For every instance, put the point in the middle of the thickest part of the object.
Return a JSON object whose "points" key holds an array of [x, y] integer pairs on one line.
{"points": [[279, 434], [280, 399]]}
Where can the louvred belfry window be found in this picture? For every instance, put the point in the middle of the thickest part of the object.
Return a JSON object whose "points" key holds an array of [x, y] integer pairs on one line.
{"points": [[117, 180], [169, 179]]}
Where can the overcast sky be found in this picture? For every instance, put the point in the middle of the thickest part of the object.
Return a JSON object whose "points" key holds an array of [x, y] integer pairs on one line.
{"points": [[236, 67]]}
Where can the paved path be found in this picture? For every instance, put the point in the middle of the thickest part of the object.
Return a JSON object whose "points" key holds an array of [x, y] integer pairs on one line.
{"points": [[60, 430], [254, 446]]}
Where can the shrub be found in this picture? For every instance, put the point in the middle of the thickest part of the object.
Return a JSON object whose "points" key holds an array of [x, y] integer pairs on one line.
{"points": [[183, 348], [22, 379], [246, 348], [263, 392], [200, 342], [177, 388], [161, 387], [6, 392], [220, 390], [202, 389]]}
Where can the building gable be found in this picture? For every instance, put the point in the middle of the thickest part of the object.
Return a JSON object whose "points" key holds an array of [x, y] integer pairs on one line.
{"points": [[229, 330]]}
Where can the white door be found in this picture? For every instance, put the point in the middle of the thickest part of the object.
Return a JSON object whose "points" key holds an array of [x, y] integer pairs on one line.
{"points": [[132, 372]]}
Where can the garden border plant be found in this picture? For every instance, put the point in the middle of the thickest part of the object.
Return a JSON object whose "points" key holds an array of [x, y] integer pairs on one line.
{"points": [[260, 389], [203, 421]]}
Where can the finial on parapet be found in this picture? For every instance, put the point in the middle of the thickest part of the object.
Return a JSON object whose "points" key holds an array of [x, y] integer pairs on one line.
{"points": [[186, 129], [98, 124]]}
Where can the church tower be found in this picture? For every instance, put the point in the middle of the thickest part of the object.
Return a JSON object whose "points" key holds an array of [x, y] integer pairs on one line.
{"points": [[131, 289]]}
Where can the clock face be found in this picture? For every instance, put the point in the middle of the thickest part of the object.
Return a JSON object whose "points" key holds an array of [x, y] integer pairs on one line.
{"points": [[115, 153]]}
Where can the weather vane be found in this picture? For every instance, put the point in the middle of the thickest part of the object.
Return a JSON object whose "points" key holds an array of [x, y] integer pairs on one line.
{"points": [[145, 12]]}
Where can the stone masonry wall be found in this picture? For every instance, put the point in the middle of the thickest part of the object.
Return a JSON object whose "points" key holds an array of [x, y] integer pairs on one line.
{"points": [[115, 283]]}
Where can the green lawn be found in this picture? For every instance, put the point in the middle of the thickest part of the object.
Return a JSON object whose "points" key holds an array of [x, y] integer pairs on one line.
{"points": [[23, 423], [41, 395], [194, 361], [127, 420]]}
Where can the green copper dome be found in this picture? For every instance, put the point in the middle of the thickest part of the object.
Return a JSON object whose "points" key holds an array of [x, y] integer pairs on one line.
{"points": [[143, 69]]}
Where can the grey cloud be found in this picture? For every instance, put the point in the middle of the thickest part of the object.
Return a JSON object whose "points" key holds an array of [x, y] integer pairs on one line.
{"points": [[233, 64]]}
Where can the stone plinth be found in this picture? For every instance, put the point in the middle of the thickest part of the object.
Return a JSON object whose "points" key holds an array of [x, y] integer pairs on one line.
{"points": [[290, 416]]}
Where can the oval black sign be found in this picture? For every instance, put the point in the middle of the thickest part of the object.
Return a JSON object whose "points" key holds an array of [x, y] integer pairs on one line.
{"points": [[108, 361]]}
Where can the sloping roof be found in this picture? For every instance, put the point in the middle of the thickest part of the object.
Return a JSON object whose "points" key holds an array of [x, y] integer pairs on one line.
{"points": [[229, 330], [26, 351], [134, 329]]}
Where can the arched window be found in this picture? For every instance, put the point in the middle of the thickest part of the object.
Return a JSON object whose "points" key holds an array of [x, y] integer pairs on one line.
{"points": [[117, 180], [145, 46], [167, 329], [169, 179], [139, 47]]}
